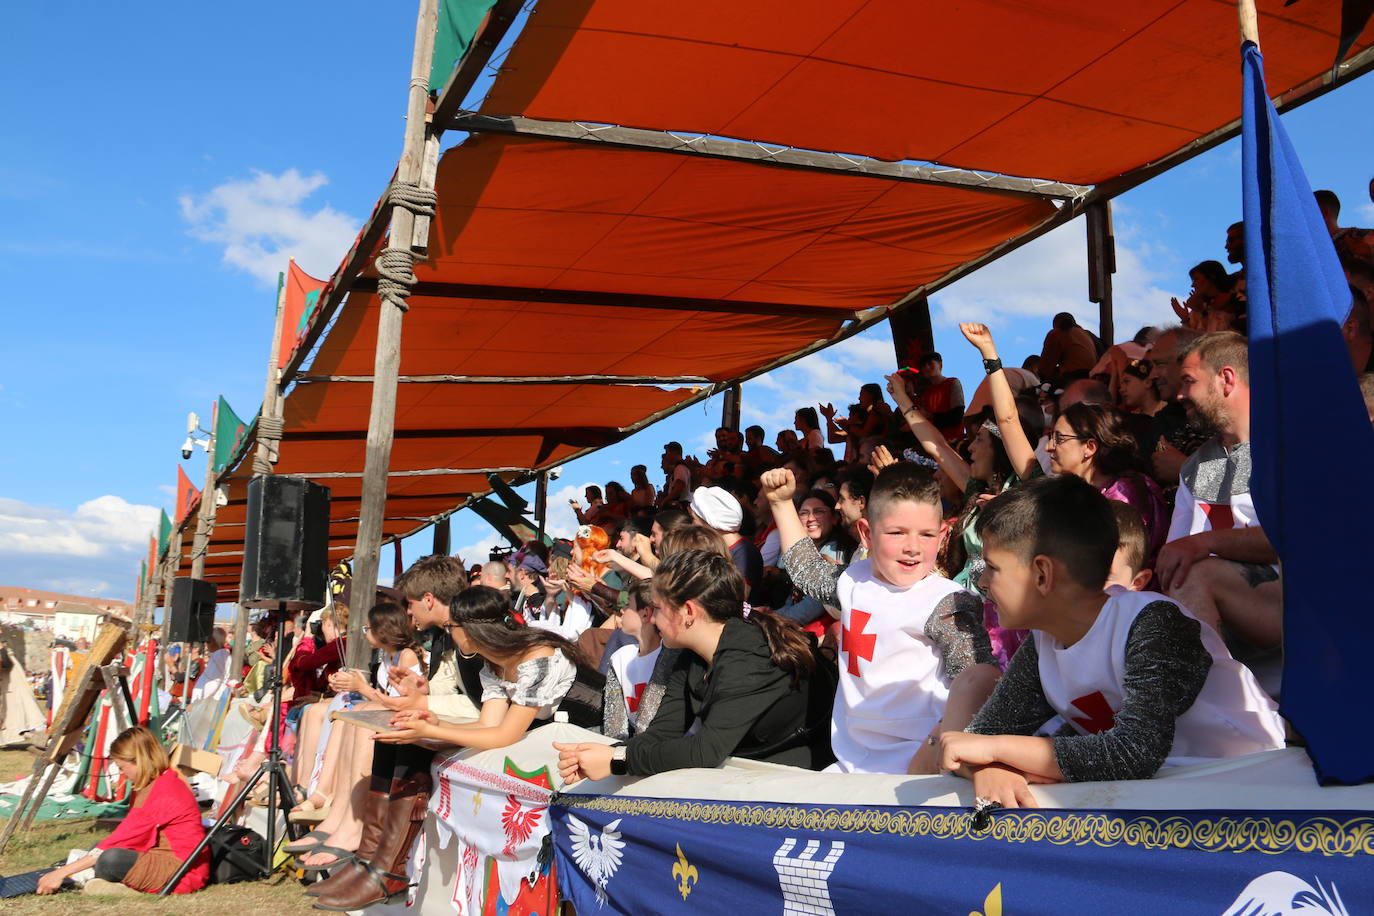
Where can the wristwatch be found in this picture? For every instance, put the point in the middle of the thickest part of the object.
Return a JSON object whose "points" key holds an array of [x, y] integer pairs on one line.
{"points": [[619, 765], [991, 365]]}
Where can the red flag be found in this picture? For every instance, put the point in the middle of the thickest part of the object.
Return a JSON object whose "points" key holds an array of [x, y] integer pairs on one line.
{"points": [[187, 495], [298, 307]]}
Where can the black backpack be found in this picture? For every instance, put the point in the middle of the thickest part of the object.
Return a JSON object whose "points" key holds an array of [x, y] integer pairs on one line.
{"points": [[237, 854]]}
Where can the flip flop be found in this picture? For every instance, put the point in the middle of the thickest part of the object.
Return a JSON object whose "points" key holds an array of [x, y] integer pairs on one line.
{"points": [[341, 857], [297, 849]]}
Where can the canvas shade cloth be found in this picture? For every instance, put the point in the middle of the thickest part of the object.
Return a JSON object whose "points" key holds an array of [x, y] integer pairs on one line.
{"points": [[554, 258], [713, 269], [1020, 89]]}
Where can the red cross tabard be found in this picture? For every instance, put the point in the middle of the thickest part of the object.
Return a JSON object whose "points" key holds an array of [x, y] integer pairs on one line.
{"points": [[1100, 716], [855, 642]]}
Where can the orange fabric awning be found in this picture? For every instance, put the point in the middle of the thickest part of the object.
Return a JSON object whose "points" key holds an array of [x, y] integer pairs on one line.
{"points": [[1062, 89]]}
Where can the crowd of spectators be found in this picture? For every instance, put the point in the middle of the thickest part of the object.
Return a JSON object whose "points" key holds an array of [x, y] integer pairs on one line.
{"points": [[1061, 577]]}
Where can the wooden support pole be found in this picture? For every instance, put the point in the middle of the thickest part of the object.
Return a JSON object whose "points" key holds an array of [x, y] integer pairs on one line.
{"points": [[205, 521], [387, 364], [443, 537], [1249, 21], [269, 439], [729, 408], [541, 503], [912, 334], [1101, 266]]}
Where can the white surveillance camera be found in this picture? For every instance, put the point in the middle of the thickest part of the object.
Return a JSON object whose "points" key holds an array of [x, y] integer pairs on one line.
{"points": [[192, 421], [187, 446], [555, 473]]}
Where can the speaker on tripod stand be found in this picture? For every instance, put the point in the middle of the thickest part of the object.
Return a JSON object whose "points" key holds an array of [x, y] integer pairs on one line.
{"points": [[285, 569]]}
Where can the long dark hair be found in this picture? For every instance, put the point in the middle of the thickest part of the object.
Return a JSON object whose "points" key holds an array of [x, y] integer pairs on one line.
{"points": [[712, 581], [485, 616]]}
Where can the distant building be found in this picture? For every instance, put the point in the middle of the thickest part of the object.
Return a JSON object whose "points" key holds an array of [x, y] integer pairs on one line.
{"points": [[39, 610]]}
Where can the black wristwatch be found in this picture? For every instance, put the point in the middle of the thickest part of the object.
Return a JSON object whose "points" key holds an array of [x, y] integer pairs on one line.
{"points": [[619, 765], [991, 365]]}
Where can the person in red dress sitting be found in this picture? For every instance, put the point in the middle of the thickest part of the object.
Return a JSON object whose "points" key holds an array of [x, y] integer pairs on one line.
{"points": [[160, 831]]}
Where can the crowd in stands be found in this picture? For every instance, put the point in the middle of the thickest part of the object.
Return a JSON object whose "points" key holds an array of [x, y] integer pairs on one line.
{"points": [[1058, 578]]}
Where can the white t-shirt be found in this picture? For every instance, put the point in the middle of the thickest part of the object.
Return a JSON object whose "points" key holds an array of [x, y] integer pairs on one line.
{"points": [[683, 473], [892, 681], [814, 440], [1084, 683], [633, 671], [216, 677]]}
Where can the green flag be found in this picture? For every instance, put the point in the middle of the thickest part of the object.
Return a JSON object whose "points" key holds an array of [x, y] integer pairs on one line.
{"points": [[229, 431], [164, 534], [458, 22]]}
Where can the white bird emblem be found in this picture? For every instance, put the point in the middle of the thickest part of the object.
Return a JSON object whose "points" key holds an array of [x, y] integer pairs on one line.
{"points": [[597, 856], [1279, 893]]}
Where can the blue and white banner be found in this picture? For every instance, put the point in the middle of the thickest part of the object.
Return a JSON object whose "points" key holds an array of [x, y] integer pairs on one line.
{"points": [[627, 855]]}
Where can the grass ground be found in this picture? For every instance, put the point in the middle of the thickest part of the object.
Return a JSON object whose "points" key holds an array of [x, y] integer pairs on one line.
{"points": [[47, 842]]}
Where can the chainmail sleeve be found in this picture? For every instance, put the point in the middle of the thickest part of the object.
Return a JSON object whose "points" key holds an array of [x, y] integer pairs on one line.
{"points": [[1017, 705], [1166, 666], [810, 572], [956, 628]]}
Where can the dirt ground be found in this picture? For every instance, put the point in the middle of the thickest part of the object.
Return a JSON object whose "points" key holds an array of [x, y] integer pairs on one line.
{"points": [[47, 842]]}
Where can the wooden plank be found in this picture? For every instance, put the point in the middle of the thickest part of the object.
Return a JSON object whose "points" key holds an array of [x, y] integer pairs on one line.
{"points": [[485, 291], [699, 145], [484, 44]]}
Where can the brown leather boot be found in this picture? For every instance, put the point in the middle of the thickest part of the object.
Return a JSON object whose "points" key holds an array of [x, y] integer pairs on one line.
{"points": [[383, 874], [378, 797]]}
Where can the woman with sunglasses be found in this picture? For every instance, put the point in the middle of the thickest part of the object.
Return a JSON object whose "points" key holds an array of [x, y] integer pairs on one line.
{"points": [[1090, 441]]}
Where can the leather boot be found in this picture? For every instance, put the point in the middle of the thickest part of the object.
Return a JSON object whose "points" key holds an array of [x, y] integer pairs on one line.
{"points": [[378, 796], [383, 874]]}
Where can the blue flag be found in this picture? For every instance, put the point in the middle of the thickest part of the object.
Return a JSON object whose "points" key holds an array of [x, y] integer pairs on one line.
{"points": [[1310, 434]]}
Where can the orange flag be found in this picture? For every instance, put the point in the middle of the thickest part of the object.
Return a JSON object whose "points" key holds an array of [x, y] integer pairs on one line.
{"points": [[187, 495]]}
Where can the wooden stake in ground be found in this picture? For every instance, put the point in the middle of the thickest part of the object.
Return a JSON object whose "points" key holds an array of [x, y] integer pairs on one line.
{"points": [[382, 416]]}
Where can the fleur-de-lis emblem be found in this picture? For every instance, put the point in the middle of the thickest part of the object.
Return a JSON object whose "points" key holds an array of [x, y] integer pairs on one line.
{"points": [[992, 904], [685, 873]]}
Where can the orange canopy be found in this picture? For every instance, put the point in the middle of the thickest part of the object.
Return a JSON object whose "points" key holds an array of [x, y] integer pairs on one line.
{"points": [[580, 285]]}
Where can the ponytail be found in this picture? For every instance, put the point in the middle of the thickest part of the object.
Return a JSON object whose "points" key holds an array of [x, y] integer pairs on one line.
{"points": [[713, 582]]}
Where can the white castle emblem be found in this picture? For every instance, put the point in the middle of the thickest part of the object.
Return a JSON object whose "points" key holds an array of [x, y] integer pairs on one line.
{"points": [[805, 879]]}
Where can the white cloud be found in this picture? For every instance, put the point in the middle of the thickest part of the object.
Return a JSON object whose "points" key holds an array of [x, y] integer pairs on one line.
{"points": [[832, 376], [82, 551], [261, 222], [1367, 213], [1049, 275]]}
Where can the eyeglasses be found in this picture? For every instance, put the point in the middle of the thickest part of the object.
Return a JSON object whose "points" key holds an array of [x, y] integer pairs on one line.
{"points": [[813, 513], [1060, 438]]}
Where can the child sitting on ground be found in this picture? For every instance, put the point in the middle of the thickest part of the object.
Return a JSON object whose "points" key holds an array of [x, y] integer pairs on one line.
{"points": [[913, 650], [1139, 682]]}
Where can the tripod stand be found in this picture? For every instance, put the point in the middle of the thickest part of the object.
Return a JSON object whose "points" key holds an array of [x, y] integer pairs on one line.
{"points": [[273, 768]]}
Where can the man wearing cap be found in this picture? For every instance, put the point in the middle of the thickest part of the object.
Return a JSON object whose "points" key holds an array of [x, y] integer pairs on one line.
{"points": [[716, 508]]}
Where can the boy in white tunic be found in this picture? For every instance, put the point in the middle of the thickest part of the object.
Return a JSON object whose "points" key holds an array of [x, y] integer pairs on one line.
{"points": [[1137, 681], [914, 656]]}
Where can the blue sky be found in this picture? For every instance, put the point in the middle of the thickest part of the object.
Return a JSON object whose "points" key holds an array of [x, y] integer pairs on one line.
{"points": [[161, 161]]}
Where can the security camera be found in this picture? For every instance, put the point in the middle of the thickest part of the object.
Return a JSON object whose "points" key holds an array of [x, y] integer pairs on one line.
{"points": [[192, 422], [555, 473], [187, 446]]}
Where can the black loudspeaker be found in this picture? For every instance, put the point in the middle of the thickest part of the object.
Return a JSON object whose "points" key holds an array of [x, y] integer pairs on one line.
{"points": [[192, 612], [286, 544]]}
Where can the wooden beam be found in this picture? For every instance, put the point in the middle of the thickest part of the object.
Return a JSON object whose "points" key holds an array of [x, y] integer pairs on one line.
{"points": [[381, 418], [1101, 266], [518, 379], [484, 291], [594, 435], [469, 69], [764, 154], [428, 472]]}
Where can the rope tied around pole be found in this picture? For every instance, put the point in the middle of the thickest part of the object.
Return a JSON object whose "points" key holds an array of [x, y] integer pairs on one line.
{"points": [[269, 430], [412, 196], [395, 276]]}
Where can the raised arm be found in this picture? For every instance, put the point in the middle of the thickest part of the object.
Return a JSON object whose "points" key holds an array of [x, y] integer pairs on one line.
{"points": [[955, 468], [1020, 450], [778, 487]]}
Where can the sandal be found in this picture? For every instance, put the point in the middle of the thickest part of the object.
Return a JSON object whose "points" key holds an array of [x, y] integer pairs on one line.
{"points": [[341, 857], [297, 848]]}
